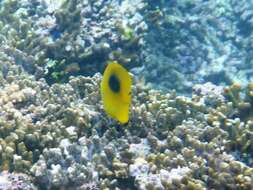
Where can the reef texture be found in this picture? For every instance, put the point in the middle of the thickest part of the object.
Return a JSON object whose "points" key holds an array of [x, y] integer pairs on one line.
{"points": [[73, 37], [57, 136], [60, 136], [195, 41], [15, 181], [187, 41]]}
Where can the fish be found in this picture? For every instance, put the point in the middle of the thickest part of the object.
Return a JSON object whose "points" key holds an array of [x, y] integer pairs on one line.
{"points": [[115, 89]]}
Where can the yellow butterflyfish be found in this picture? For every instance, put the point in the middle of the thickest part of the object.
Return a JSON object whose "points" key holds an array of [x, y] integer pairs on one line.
{"points": [[116, 91]]}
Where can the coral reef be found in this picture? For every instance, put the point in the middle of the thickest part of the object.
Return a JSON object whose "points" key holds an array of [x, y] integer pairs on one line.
{"points": [[74, 37], [191, 42], [57, 135], [78, 37], [13, 181], [60, 136], [197, 41]]}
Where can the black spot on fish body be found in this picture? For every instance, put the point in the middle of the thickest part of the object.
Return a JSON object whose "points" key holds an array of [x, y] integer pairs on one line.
{"points": [[114, 83]]}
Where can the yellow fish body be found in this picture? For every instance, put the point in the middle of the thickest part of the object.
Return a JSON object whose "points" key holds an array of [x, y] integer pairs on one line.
{"points": [[116, 91]]}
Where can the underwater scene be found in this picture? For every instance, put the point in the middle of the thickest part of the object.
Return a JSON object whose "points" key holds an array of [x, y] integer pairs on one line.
{"points": [[126, 95]]}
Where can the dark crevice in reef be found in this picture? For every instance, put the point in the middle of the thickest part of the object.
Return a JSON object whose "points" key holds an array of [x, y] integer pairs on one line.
{"points": [[245, 28], [126, 184]]}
